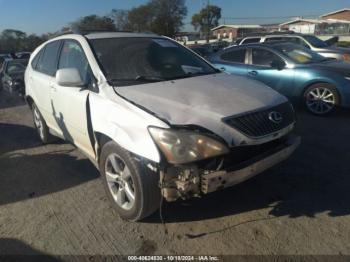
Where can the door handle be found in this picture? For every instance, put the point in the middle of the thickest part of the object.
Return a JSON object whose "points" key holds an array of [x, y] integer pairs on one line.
{"points": [[253, 73], [222, 68]]}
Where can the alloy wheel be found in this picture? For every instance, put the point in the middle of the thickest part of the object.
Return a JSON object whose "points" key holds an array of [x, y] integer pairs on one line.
{"points": [[120, 182], [320, 100]]}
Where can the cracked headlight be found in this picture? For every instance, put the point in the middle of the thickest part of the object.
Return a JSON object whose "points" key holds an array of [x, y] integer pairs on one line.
{"points": [[181, 146]]}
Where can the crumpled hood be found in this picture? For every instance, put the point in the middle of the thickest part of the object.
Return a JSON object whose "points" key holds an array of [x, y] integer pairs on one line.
{"points": [[202, 100]]}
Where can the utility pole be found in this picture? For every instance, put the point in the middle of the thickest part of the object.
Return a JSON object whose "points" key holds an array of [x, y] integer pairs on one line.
{"points": [[208, 26]]}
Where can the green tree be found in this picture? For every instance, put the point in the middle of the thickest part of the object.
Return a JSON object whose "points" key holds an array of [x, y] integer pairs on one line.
{"points": [[168, 16], [12, 40], [140, 18], [32, 42], [164, 17], [206, 19], [120, 18], [93, 23]]}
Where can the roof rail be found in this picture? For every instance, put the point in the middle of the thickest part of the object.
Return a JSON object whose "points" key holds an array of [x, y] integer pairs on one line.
{"points": [[88, 31]]}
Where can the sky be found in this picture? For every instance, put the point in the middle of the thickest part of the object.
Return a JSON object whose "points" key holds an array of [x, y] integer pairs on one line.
{"points": [[41, 16]]}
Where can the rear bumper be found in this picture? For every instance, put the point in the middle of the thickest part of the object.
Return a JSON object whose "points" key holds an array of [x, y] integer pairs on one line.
{"points": [[222, 179]]}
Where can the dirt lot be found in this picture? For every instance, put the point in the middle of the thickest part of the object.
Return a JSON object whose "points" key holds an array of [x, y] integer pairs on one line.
{"points": [[52, 201]]}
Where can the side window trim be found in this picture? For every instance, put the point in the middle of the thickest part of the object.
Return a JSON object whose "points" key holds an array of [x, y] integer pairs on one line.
{"points": [[261, 48]]}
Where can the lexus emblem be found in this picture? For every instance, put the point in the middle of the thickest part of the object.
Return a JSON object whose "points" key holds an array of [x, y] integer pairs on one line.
{"points": [[275, 117]]}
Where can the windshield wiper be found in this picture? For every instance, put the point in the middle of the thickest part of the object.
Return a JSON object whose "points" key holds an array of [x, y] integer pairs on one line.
{"points": [[139, 78], [149, 78], [196, 74]]}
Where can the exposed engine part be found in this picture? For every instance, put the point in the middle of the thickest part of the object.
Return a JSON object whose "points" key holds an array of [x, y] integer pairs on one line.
{"points": [[180, 182]]}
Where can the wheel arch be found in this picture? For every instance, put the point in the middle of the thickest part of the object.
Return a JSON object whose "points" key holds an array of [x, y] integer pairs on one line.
{"points": [[29, 101], [309, 84], [101, 140]]}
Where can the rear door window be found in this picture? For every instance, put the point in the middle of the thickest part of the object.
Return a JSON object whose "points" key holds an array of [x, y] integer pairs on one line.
{"points": [[263, 57], [235, 56], [47, 63]]}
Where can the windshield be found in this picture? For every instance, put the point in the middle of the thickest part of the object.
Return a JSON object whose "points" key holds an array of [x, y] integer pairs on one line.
{"points": [[315, 41], [130, 61], [299, 54], [14, 67]]}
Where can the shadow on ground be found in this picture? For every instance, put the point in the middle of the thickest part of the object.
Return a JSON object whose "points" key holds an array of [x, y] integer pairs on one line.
{"points": [[26, 176], [16, 250], [316, 179]]}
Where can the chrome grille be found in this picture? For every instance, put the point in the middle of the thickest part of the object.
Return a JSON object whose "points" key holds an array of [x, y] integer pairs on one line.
{"points": [[260, 123]]}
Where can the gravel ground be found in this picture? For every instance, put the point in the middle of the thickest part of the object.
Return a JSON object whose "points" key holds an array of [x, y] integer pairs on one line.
{"points": [[52, 201]]}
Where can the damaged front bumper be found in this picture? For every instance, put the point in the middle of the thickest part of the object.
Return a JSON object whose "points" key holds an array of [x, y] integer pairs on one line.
{"points": [[193, 180]]}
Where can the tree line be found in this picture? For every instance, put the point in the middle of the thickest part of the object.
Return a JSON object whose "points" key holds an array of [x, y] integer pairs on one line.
{"points": [[163, 17]]}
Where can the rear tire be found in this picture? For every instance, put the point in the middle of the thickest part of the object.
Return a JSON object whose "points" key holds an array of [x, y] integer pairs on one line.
{"points": [[131, 187], [321, 99], [40, 125]]}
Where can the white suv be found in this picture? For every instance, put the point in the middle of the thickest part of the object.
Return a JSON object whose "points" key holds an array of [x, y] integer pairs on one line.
{"points": [[155, 118]]}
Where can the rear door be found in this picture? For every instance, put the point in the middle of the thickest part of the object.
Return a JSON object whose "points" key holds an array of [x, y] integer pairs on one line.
{"points": [[232, 61], [44, 67], [260, 68], [70, 105]]}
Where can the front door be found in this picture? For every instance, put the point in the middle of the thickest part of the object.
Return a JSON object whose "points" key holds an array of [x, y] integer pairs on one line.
{"points": [[232, 61], [260, 68], [69, 105]]}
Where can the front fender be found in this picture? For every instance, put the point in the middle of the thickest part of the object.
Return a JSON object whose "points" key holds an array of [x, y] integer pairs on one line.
{"points": [[126, 124]]}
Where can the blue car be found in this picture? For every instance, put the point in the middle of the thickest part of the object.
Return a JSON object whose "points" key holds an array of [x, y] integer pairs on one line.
{"points": [[321, 84]]}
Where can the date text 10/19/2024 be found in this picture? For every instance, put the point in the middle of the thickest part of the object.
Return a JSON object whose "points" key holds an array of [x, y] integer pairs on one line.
{"points": [[173, 258]]}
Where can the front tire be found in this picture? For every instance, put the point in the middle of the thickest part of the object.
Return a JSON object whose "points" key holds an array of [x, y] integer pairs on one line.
{"points": [[131, 187], [321, 99], [40, 125]]}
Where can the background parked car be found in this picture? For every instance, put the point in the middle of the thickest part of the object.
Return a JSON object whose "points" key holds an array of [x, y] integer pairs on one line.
{"points": [[205, 50], [23, 55], [308, 41], [202, 50], [5, 56], [297, 72], [12, 75]]}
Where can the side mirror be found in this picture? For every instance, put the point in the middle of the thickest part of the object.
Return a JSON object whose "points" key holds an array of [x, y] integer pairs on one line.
{"points": [[69, 77], [278, 64]]}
